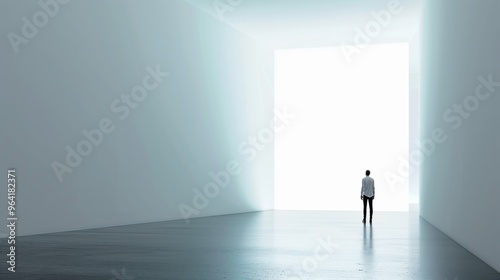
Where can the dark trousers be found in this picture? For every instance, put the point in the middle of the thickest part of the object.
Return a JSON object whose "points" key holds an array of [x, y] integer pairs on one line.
{"points": [[370, 201]]}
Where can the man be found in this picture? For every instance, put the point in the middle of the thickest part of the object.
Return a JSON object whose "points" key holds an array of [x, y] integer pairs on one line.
{"points": [[367, 194]]}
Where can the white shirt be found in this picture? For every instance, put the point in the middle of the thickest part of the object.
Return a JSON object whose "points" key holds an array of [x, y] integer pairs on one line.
{"points": [[368, 187]]}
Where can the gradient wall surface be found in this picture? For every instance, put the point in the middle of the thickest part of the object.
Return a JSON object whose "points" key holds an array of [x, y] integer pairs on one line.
{"points": [[460, 101], [70, 66]]}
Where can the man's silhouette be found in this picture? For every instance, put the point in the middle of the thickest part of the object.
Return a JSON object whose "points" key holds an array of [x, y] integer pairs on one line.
{"points": [[367, 194]]}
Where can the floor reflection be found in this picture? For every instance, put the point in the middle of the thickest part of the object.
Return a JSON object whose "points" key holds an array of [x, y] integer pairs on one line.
{"points": [[368, 248]]}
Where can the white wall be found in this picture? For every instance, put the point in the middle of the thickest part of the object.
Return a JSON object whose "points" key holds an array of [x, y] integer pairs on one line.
{"points": [[414, 118], [459, 181], [64, 80]]}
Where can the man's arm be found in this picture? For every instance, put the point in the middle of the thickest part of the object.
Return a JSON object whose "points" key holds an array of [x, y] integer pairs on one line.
{"points": [[373, 189], [361, 189]]}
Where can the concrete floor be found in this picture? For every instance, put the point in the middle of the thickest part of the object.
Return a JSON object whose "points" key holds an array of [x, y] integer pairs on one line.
{"points": [[259, 245]]}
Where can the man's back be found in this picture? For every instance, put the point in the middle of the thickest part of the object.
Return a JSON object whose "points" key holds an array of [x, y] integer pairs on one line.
{"points": [[368, 186]]}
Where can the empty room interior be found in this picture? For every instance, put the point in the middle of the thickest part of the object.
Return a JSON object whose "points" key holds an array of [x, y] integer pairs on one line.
{"points": [[249, 139]]}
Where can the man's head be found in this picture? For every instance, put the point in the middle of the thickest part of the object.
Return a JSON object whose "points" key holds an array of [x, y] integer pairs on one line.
{"points": [[367, 172]]}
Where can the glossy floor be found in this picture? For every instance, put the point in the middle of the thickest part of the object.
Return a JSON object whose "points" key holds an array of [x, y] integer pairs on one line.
{"points": [[259, 245]]}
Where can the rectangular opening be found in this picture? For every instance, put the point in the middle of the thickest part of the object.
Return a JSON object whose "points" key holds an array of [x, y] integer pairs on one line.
{"points": [[350, 117]]}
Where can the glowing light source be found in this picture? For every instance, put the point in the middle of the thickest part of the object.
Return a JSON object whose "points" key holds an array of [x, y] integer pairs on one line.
{"points": [[350, 116]]}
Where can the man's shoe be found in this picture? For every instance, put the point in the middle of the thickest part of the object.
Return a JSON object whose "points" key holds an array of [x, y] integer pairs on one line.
{"points": [[370, 221], [364, 221]]}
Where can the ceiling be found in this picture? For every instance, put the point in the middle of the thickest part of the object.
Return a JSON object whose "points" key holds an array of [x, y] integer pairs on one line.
{"points": [[315, 23]]}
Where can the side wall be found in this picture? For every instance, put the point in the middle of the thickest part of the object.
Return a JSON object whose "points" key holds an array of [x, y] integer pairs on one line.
{"points": [[461, 96], [86, 66]]}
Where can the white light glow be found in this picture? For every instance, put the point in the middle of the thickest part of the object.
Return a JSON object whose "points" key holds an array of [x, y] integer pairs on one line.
{"points": [[349, 117]]}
